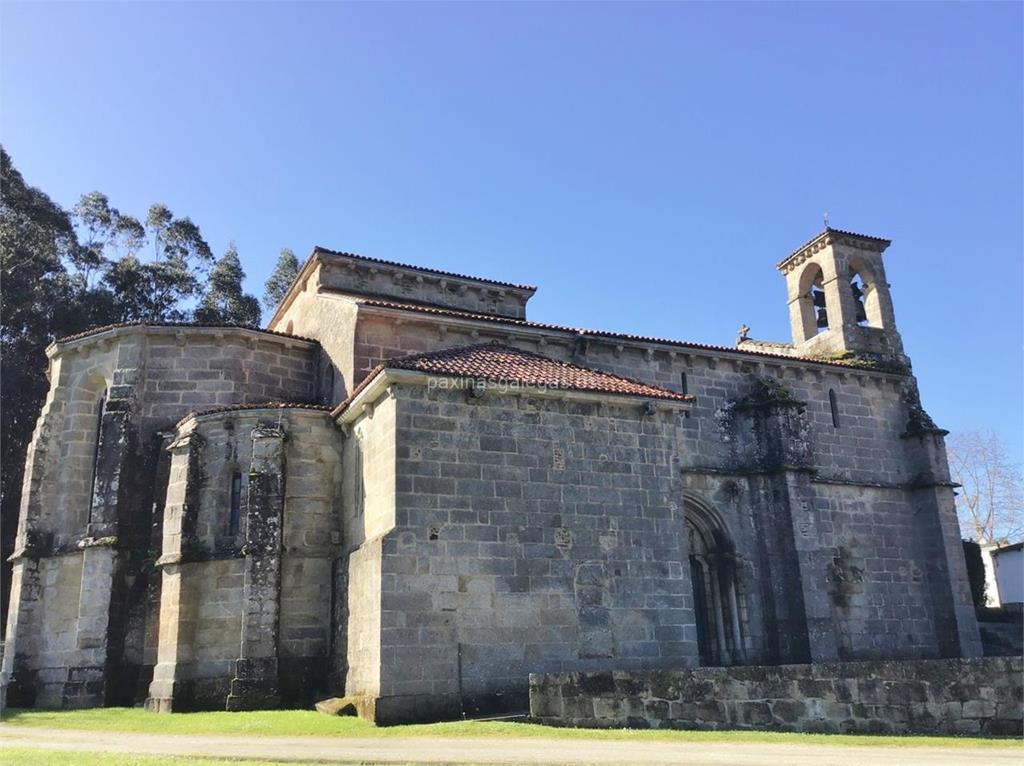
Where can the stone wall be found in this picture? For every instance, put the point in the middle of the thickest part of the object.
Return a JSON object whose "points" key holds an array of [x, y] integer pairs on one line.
{"points": [[869, 535], [872, 406], [156, 375], [246, 618], [61, 581], [311, 541], [331, 319], [952, 697], [95, 472], [531, 533], [364, 277], [369, 514]]}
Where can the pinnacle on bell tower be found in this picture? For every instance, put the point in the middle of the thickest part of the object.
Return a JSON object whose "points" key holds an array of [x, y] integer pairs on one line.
{"points": [[839, 301]]}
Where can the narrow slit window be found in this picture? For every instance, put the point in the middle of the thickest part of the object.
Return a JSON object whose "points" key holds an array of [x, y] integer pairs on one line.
{"points": [[834, 405], [100, 408], [684, 388], [360, 487], [235, 514]]}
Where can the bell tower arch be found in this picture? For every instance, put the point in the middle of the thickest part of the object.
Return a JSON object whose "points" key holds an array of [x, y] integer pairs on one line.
{"points": [[839, 300]]}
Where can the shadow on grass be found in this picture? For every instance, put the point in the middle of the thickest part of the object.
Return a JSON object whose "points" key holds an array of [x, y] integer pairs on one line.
{"points": [[307, 723]]}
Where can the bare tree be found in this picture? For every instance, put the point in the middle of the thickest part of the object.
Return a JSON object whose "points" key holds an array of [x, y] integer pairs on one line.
{"points": [[990, 501]]}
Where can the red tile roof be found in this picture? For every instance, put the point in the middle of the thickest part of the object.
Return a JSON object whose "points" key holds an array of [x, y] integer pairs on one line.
{"points": [[841, 232], [459, 314], [183, 325], [425, 270], [498, 363], [262, 406]]}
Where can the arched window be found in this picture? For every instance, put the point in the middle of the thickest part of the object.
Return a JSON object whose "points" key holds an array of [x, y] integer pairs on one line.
{"points": [[97, 443], [813, 304], [715, 596], [859, 289], [866, 307], [819, 303]]}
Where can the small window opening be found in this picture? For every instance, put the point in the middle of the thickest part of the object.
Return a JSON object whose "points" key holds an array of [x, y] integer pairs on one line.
{"points": [[684, 388], [359, 499], [834, 406], [100, 409], [818, 301], [235, 514], [859, 290]]}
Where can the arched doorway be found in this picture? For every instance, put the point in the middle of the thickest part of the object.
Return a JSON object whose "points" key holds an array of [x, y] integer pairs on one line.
{"points": [[715, 595]]}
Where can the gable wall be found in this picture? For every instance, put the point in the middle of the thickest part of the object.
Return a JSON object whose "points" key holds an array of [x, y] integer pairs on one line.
{"points": [[530, 534], [331, 320], [400, 283]]}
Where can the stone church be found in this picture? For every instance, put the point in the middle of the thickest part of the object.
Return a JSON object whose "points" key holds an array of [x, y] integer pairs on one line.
{"points": [[406, 492]]}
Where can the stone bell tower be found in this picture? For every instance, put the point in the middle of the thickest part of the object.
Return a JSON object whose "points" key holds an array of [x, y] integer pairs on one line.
{"points": [[839, 301]]}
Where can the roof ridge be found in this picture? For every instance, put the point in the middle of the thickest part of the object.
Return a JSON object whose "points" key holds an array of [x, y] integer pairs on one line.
{"points": [[497, 344], [275, 405], [831, 230], [462, 313], [440, 352], [425, 269], [185, 325], [550, 374], [455, 352]]}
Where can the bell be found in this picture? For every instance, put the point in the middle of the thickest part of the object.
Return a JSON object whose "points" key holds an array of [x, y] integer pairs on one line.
{"points": [[861, 314], [818, 297], [822, 320], [857, 292]]}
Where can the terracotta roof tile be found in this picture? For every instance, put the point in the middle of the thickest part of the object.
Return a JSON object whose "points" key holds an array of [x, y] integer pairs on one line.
{"points": [[842, 232], [425, 270], [459, 314], [262, 406], [499, 363], [185, 325]]}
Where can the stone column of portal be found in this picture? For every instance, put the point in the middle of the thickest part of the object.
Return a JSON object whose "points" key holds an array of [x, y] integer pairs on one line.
{"points": [[956, 624], [167, 691], [255, 682]]}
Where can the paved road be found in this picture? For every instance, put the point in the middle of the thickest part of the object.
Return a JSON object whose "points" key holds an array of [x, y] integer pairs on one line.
{"points": [[560, 752]]}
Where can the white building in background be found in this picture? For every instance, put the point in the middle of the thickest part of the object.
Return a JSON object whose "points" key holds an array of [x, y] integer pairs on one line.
{"points": [[1004, 573]]}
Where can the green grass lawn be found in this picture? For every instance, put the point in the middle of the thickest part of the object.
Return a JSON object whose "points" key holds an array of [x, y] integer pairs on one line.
{"points": [[29, 757], [299, 723]]}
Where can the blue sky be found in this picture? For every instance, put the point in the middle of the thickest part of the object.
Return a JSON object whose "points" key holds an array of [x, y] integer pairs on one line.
{"points": [[645, 164]]}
